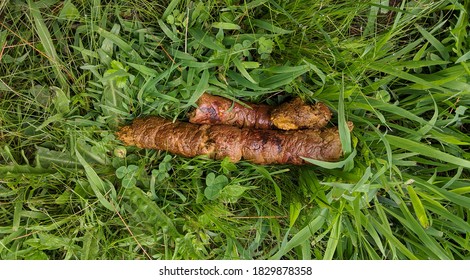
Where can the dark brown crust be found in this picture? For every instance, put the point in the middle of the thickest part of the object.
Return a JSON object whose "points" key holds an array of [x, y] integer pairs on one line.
{"points": [[220, 141], [288, 116]]}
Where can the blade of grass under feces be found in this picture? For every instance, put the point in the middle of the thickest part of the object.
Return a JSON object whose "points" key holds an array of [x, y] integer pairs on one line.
{"points": [[332, 165]]}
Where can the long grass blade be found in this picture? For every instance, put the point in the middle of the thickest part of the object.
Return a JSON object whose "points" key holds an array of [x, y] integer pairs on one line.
{"points": [[97, 184], [418, 207], [302, 235], [46, 40], [403, 75], [425, 150]]}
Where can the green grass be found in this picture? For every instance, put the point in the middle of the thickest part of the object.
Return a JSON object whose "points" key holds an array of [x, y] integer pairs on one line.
{"points": [[72, 72]]}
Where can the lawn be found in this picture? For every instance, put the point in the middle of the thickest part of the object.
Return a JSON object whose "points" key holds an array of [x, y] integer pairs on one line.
{"points": [[72, 72]]}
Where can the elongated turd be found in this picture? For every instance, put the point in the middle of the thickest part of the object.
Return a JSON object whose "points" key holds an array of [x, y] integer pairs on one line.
{"points": [[288, 116], [260, 146], [219, 110]]}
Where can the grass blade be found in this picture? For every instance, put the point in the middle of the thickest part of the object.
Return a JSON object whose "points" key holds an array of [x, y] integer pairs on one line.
{"points": [[47, 43], [265, 173], [206, 40], [428, 151], [411, 224], [226, 25], [115, 39], [392, 239], [344, 133], [243, 71], [463, 58], [381, 67], [241, 81], [270, 27], [332, 165], [169, 9], [147, 71], [200, 88], [434, 42], [418, 207], [173, 37], [276, 81], [333, 239], [99, 187], [393, 109], [448, 195], [302, 235]]}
